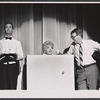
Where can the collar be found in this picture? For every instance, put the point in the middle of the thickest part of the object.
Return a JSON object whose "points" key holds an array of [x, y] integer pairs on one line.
{"points": [[80, 42]]}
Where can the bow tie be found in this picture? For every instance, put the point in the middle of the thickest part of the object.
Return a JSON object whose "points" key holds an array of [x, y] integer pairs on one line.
{"points": [[8, 38]]}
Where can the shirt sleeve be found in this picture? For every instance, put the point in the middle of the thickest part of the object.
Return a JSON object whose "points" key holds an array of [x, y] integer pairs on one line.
{"points": [[71, 50], [19, 49], [96, 45], [0, 48]]}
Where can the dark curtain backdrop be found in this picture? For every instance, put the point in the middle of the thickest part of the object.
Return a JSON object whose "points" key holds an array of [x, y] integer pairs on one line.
{"points": [[36, 23]]}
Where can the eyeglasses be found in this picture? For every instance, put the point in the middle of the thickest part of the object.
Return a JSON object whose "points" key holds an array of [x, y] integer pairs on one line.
{"points": [[73, 37]]}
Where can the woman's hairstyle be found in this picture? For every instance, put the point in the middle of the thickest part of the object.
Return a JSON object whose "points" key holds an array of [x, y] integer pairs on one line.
{"points": [[47, 43]]}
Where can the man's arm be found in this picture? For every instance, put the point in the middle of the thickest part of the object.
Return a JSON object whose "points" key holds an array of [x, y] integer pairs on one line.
{"points": [[70, 50], [95, 45], [20, 55], [19, 52]]}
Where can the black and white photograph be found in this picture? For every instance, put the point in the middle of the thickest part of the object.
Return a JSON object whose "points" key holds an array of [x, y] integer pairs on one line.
{"points": [[50, 49]]}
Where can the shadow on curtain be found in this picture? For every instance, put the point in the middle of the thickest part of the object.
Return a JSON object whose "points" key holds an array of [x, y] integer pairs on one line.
{"points": [[36, 23]]}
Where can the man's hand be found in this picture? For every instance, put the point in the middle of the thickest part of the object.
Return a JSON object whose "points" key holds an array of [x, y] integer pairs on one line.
{"points": [[58, 52]]}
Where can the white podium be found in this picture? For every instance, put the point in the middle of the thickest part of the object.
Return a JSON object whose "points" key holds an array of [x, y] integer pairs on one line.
{"points": [[46, 72]]}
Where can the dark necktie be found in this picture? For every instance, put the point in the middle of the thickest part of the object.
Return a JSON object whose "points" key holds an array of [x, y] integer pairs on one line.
{"points": [[8, 38], [79, 57]]}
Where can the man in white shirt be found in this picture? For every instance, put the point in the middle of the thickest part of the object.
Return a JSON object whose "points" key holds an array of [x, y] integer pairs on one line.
{"points": [[9, 68], [86, 68]]}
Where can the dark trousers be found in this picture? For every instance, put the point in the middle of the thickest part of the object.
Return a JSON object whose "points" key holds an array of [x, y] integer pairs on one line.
{"points": [[24, 78], [87, 77], [8, 75]]}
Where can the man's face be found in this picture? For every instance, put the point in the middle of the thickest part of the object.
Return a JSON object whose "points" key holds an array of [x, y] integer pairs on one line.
{"points": [[49, 50], [76, 38], [8, 29]]}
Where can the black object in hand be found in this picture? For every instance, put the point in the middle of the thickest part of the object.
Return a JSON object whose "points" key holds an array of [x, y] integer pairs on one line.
{"points": [[8, 57]]}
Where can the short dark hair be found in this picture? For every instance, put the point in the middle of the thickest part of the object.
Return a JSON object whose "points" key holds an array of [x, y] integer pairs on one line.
{"points": [[8, 23], [77, 31]]}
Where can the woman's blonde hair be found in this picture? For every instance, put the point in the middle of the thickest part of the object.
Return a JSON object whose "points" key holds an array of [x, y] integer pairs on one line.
{"points": [[45, 45]]}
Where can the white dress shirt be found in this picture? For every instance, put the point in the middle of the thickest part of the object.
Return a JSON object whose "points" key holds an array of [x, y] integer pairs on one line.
{"points": [[11, 46], [89, 46]]}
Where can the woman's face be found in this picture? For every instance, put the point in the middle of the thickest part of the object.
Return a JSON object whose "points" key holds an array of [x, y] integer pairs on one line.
{"points": [[49, 49]]}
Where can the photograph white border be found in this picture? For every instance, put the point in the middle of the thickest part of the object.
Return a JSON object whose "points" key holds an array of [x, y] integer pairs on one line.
{"points": [[49, 94]]}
